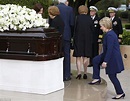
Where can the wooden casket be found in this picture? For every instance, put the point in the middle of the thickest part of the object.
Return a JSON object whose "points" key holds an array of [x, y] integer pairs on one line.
{"points": [[31, 61], [33, 44]]}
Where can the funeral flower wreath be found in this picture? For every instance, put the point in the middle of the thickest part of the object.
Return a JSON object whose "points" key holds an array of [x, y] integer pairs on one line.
{"points": [[15, 17]]}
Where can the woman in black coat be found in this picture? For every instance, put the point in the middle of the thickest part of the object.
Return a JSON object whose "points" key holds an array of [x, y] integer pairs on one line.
{"points": [[56, 20], [83, 40]]}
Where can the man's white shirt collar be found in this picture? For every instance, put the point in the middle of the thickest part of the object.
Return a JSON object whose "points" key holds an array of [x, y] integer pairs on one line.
{"points": [[112, 18], [93, 17]]}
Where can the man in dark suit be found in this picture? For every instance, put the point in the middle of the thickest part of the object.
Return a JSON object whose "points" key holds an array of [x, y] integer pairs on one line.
{"points": [[67, 16], [97, 31], [116, 22]]}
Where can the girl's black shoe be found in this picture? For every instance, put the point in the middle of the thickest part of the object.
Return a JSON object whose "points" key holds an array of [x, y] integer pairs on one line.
{"points": [[79, 76], [85, 76], [121, 97]]}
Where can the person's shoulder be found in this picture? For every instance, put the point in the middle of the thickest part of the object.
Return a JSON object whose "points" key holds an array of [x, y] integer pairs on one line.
{"points": [[117, 18], [79, 17], [88, 17], [82, 15], [97, 17], [112, 33], [61, 5], [58, 17], [69, 7]]}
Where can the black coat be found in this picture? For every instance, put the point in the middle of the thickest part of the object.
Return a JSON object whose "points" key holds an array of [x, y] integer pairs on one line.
{"points": [[117, 26], [57, 23], [83, 36], [97, 30]]}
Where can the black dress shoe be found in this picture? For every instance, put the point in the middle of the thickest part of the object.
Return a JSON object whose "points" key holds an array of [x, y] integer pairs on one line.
{"points": [[90, 65], [122, 96], [95, 83], [78, 76], [85, 76], [67, 79]]}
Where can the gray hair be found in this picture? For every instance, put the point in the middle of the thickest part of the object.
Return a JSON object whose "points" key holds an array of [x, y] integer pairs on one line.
{"points": [[62, 1]]}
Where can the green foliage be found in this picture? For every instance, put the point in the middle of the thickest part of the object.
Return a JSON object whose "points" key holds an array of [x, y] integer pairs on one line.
{"points": [[124, 14], [118, 13], [30, 4], [126, 38], [129, 16], [101, 13], [104, 4], [127, 26]]}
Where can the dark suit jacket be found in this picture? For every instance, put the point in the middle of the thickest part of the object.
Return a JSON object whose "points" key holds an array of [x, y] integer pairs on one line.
{"points": [[67, 16], [97, 30], [117, 26], [111, 53]]}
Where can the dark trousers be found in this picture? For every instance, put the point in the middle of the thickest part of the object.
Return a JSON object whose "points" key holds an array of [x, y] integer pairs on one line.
{"points": [[95, 48], [97, 61], [116, 83], [96, 66], [66, 62]]}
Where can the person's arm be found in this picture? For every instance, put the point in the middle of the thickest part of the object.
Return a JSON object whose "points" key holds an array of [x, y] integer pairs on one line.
{"points": [[110, 45], [120, 26], [72, 22], [120, 29]]}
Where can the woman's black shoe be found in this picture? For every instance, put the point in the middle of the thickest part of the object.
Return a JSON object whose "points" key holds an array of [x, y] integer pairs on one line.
{"points": [[122, 96], [90, 65], [85, 76], [95, 83], [78, 76]]}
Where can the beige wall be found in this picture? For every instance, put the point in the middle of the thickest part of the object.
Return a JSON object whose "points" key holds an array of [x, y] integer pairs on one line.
{"points": [[125, 51]]}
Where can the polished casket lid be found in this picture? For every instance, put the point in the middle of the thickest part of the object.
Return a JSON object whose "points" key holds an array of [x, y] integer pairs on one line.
{"points": [[37, 44]]}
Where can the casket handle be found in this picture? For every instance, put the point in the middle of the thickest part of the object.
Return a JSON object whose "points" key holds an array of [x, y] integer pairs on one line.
{"points": [[28, 51], [7, 50]]}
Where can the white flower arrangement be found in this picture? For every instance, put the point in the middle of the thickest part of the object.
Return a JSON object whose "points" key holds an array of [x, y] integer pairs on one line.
{"points": [[16, 17]]}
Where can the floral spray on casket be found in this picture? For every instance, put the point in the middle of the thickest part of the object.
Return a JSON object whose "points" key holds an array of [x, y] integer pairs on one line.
{"points": [[15, 17]]}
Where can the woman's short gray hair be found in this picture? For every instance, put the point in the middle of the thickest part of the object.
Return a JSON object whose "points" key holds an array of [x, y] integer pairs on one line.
{"points": [[106, 22]]}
